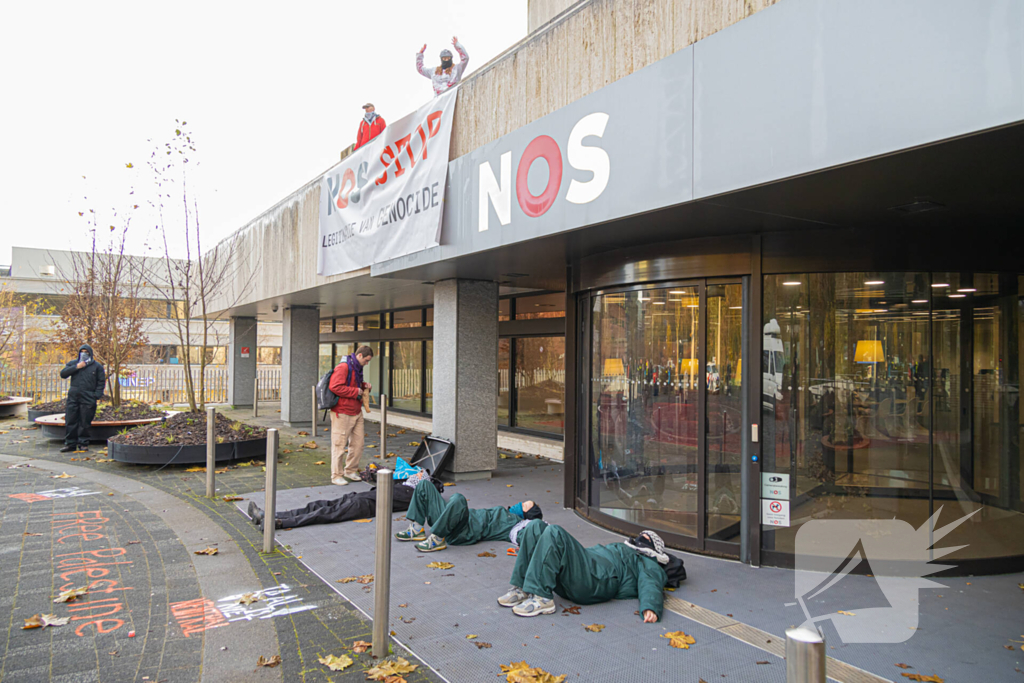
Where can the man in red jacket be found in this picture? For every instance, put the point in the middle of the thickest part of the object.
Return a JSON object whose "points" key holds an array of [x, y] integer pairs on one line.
{"points": [[370, 127], [347, 416]]}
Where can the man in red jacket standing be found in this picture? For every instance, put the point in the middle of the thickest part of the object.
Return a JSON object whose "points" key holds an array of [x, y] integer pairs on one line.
{"points": [[370, 127], [347, 415]]}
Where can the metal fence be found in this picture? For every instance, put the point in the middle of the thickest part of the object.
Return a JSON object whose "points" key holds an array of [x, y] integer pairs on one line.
{"points": [[148, 383]]}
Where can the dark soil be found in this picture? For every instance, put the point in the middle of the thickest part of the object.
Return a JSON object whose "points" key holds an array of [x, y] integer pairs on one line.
{"points": [[189, 429], [60, 406], [5, 398]]}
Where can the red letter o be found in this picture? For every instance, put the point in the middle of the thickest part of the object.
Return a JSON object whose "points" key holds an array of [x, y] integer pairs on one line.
{"points": [[544, 147]]}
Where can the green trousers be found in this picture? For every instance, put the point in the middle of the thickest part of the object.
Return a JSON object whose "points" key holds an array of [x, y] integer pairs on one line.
{"points": [[550, 561], [454, 521]]}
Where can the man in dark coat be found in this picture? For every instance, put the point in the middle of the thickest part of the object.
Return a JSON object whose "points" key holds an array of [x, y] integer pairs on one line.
{"points": [[551, 561], [456, 523], [87, 381]]}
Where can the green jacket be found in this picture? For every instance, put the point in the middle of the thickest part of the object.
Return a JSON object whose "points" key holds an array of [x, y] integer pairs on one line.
{"points": [[487, 524], [626, 575]]}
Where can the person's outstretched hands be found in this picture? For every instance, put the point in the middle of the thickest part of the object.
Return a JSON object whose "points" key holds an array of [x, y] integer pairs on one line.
{"points": [[650, 617], [454, 40], [422, 49]]}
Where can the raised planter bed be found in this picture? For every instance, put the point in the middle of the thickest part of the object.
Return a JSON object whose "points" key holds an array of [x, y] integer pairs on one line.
{"points": [[54, 428], [14, 406], [34, 414], [186, 455]]}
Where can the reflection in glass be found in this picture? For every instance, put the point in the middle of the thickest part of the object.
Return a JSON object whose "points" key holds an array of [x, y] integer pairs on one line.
{"points": [[644, 382], [540, 384], [326, 359], [504, 382], [406, 373], [543, 306], [429, 371]]}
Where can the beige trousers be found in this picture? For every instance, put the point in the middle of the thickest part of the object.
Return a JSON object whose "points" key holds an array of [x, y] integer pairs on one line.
{"points": [[346, 431]]}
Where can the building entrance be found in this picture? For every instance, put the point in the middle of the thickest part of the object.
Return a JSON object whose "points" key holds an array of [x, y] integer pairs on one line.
{"points": [[662, 434]]}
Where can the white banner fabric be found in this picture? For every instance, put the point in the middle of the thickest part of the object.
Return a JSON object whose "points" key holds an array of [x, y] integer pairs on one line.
{"points": [[386, 199]]}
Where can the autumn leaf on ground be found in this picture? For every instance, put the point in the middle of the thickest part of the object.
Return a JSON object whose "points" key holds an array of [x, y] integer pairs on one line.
{"points": [[508, 486], [486, 555], [44, 620], [206, 551], [679, 639], [29, 533], [196, 469], [222, 471], [481, 645], [63, 475], [449, 483], [272, 662], [248, 599], [521, 672], [309, 444], [503, 456], [849, 614], [594, 628], [1020, 586], [471, 636], [228, 499], [391, 667], [303, 433], [286, 451], [247, 464], [927, 679], [574, 609], [71, 594], [363, 521], [335, 663], [361, 646], [103, 460], [348, 579], [904, 666], [440, 565], [320, 462]]}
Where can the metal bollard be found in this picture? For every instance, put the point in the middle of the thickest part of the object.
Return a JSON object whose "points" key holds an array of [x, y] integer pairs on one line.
{"points": [[383, 426], [270, 504], [256, 397], [382, 572], [805, 656], [211, 451]]}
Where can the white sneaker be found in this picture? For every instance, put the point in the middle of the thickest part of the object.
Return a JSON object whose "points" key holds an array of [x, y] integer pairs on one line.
{"points": [[535, 606], [339, 481], [513, 597]]}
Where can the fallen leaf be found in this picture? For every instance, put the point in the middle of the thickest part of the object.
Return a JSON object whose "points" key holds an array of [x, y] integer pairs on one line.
{"points": [[414, 443], [471, 636], [63, 475], [248, 599], [71, 594], [404, 604], [29, 533], [907, 666], [361, 646], [449, 483], [196, 469], [228, 499], [919, 677], [309, 444], [348, 579], [320, 462], [206, 551], [363, 521], [518, 457], [849, 614], [763, 661], [486, 555], [594, 628], [272, 662], [481, 645], [503, 456], [103, 460], [225, 471], [508, 486], [390, 668], [286, 451], [521, 672], [440, 565], [574, 609], [303, 433], [44, 620], [335, 663], [679, 639], [110, 494]]}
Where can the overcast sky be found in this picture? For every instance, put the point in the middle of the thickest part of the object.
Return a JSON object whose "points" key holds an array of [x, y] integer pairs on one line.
{"points": [[271, 91]]}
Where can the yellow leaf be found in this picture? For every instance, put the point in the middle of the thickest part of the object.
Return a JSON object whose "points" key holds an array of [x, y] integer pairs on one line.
{"points": [[44, 620], [471, 636], [440, 565], [320, 462], [919, 677], [206, 551], [449, 483], [228, 499], [71, 594], [508, 486], [679, 639], [248, 599], [361, 646], [272, 662], [309, 444], [303, 433], [362, 521], [63, 475], [414, 443], [521, 672], [485, 554], [391, 667], [849, 614], [347, 579], [103, 460], [594, 628], [196, 469], [129, 165], [335, 663], [365, 578]]}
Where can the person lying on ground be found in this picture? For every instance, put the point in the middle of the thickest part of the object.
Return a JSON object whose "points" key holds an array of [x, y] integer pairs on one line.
{"points": [[351, 506], [456, 523], [551, 561]]}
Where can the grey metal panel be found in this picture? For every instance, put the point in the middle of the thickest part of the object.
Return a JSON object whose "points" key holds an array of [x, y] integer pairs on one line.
{"points": [[810, 84]]}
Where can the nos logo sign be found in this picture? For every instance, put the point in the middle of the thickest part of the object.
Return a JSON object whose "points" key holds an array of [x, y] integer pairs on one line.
{"points": [[497, 192]]}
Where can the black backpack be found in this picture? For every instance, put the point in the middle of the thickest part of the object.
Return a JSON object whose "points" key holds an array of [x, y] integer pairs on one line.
{"points": [[325, 398]]}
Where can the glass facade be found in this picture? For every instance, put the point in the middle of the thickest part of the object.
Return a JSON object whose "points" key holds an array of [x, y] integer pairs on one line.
{"points": [[895, 395], [406, 375], [540, 384]]}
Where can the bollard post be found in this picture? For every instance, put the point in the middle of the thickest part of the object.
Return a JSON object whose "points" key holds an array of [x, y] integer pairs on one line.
{"points": [[270, 504], [383, 426], [256, 397], [211, 451], [382, 571], [805, 656]]}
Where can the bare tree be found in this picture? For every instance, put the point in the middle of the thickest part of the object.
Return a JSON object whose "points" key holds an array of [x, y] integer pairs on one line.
{"points": [[193, 282], [104, 306], [10, 320]]}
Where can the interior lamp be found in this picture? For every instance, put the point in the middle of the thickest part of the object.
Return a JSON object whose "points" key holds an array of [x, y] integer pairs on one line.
{"points": [[613, 367], [869, 351]]}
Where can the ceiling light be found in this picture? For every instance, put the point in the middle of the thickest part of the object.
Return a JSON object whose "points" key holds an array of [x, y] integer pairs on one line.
{"points": [[875, 282], [940, 284], [676, 291], [659, 303], [967, 289], [736, 308], [676, 301], [919, 301], [691, 306], [792, 283], [957, 296]]}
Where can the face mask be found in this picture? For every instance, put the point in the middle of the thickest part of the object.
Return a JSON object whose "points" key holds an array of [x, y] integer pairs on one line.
{"points": [[517, 510], [83, 357], [446, 63]]}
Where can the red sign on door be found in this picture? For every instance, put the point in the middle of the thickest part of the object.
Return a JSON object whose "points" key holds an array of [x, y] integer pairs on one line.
{"points": [[245, 352]]}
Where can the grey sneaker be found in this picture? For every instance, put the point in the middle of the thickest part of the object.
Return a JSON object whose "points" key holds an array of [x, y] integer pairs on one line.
{"points": [[432, 544], [412, 534], [513, 597], [535, 606], [255, 514], [353, 478], [339, 481]]}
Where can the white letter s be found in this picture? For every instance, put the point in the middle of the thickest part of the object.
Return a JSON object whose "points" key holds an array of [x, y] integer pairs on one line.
{"points": [[593, 159]]}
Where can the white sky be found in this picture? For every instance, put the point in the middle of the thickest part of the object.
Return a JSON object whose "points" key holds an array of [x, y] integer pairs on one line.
{"points": [[271, 92]]}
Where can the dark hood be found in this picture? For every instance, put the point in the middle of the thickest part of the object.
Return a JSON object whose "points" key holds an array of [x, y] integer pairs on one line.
{"points": [[87, 348], [533, 513], [675, 570]]}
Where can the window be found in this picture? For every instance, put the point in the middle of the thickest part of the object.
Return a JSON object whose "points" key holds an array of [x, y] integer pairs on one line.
{"points": [[540, 384], [543, 306], [326, 326], [345, 324], [369, 322], [504, 308], [268, 355], [406, 375], [413, 318]]}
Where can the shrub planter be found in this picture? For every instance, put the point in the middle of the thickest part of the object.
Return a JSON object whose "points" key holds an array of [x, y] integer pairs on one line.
{"points": [[54, 428], [186, 455], [14, 406]]}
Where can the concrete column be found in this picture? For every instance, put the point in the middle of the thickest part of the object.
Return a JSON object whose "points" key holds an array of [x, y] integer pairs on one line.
{"points": [[465, 384], [300, 336], [241, 361]]}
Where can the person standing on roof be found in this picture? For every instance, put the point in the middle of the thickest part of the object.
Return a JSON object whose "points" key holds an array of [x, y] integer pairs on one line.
{"points": [[87, 381], [371, 126], [446, 76]]}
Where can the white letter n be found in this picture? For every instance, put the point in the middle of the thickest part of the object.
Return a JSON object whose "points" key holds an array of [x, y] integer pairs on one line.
{"points": [[499, 195]]}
